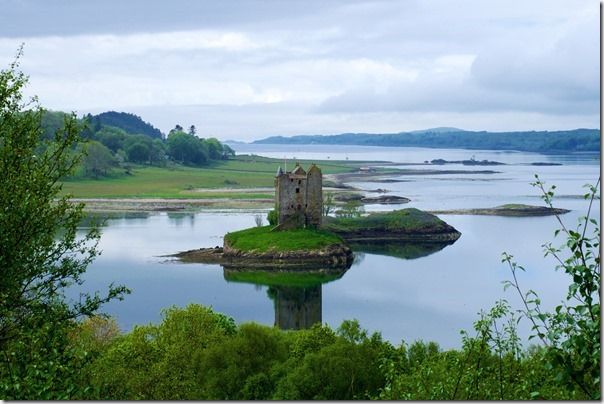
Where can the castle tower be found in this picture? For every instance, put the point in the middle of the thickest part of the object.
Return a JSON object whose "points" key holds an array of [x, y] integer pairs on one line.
{"points": [[314, 196], [298, 205]]}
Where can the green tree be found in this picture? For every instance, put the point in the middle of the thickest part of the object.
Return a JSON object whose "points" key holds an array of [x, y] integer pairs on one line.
{"points": [[41, 252], [214, 148], [227, 152], [111, 137], [98, 159], [187, 149], [138, 153], [572, 332], [157, 152]]}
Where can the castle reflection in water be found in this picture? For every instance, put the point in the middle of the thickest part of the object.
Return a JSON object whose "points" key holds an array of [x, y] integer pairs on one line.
{"points": [[297, 294], [296, 307]]}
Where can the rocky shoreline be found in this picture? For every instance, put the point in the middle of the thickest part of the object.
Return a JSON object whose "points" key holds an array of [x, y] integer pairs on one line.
{"points": [[333, 256], [369, 235]]}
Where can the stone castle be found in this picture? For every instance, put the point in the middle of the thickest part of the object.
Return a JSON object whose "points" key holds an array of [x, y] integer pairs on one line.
{"points": [[299, 197]]}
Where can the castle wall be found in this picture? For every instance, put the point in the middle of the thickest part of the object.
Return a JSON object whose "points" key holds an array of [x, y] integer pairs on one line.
{"points": [[291, 202], [314, 197]]}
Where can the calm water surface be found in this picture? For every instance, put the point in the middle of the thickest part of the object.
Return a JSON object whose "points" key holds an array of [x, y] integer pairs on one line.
{"points": [[429, 297]]}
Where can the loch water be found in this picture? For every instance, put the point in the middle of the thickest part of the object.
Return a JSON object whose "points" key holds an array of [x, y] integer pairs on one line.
{"points": [[408, 293]]}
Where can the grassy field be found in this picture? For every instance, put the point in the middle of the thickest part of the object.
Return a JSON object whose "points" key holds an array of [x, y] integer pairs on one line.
{"points": [[182, 182], [261, 239]]}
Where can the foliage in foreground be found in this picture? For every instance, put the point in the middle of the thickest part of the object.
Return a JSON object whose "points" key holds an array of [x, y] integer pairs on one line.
{"points": [[196, 353], [41, 252]]}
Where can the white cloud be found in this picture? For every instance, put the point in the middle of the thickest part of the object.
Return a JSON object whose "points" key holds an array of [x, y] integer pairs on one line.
{"points": [[337, 66]]}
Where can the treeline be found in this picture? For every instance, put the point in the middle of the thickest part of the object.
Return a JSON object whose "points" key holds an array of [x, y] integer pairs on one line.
{"points": [[577, 140], [198, 354], [118, 140]]}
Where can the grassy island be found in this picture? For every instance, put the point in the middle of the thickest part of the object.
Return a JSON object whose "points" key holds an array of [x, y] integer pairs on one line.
{"points": [[404, 220], [262, 247], [262, 239]]}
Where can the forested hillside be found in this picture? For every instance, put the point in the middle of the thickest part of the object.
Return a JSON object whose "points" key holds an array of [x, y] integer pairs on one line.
{"points": [[116, 140], [544, 141], [128, 122]]}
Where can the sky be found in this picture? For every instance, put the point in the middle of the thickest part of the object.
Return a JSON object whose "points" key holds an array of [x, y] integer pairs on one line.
{"points": [[246, 69]]}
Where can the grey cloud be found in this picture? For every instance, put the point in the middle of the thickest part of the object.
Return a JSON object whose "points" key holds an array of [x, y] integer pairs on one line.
{"points": [[25, 18], [449, 97], [566, 70], [525, 70], [355, 65]]}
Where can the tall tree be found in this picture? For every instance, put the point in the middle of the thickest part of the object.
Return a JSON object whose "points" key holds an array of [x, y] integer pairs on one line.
{"points": [[41, 251]]}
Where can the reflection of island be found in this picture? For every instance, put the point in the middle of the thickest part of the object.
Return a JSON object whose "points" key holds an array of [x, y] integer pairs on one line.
{"points": [[404, 250], [297, 295]]}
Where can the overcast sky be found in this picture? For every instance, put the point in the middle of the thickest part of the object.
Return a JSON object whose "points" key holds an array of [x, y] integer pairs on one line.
{"points": [[249, 69]]}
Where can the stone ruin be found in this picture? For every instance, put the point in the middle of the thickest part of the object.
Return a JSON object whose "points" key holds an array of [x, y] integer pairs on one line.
{"points": [[299, 197]]}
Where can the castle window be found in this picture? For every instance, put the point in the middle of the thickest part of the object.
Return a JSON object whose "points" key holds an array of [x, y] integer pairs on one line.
{"points": [[299, 207], [299, 182], [297, 190], [291, 179]]}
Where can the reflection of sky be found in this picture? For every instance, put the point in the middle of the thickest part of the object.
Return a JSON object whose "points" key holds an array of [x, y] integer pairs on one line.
{"points": [[429, 298]]}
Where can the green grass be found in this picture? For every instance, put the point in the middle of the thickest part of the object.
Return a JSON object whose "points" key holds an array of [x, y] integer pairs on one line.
{"points": [[179, 182], [262, 239], [407, 220], [227, 195]]}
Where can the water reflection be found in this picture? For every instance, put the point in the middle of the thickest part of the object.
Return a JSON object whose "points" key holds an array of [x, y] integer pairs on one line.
{"points": [[297, 295], [295, 307], [180, 218], [407, 251], [101, 218]]}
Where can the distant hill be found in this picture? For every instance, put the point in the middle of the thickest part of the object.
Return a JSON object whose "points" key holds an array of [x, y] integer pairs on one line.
{"points": [[442, 129], [532, 141], [128, 122]]}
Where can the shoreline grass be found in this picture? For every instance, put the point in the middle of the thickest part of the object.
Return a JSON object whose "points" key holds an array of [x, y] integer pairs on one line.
{"points": [[242, 172]]}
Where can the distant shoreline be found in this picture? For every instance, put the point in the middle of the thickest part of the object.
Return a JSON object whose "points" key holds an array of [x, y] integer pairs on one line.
{"points": [[551, 142]]}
